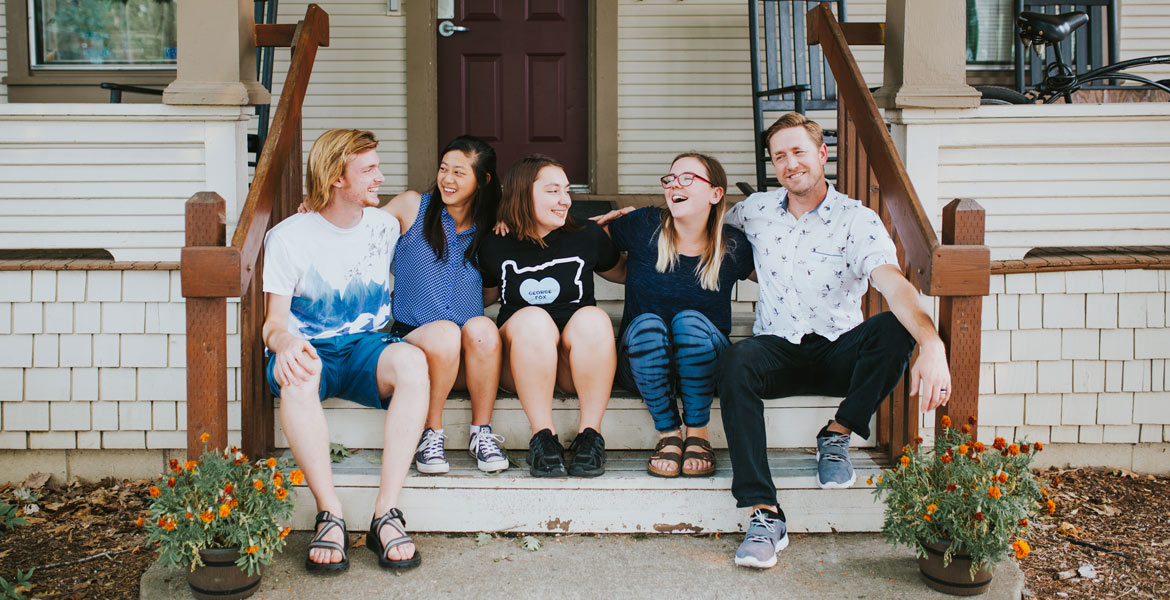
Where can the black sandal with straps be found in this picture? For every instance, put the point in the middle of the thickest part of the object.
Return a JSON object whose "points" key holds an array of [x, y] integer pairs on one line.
{"points": [[331, 522], [397, 521]]}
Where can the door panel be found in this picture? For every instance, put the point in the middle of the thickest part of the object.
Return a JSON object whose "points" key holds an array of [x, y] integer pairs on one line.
{"points": [[518, 79]]}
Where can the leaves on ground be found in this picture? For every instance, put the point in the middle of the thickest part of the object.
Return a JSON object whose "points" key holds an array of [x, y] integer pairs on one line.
{"points": [[373, 458], [338, 453], [530, 543], [483, 539]]}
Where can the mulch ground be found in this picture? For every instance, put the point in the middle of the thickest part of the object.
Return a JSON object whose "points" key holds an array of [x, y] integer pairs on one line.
{"points": [[1109, 538]]}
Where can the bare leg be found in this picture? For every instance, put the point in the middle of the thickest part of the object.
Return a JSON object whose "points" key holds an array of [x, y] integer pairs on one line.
{"points": [[530, 341], [440, 341], [402, 372], [479, 372], [588, 346], [304, 425]]}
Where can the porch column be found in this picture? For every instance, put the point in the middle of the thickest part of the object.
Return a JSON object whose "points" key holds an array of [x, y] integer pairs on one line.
{"points": [[216, 57], [926, 60]]}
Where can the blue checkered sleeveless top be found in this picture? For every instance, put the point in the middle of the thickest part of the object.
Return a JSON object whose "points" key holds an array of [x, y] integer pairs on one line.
{"points": [[427, 289]]}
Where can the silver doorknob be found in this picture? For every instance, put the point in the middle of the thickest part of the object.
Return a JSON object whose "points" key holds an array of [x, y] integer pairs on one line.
{"points": [[447, 29]]}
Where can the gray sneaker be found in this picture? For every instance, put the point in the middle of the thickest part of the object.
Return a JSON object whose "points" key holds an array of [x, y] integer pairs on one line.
{"points": [[834, 471], [766, 535]]}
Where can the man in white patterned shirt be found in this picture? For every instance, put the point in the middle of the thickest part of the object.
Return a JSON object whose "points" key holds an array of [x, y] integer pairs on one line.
{"points": [[816, 251]]}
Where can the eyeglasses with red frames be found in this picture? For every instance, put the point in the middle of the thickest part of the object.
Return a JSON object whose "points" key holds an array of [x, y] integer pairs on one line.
{"points": [[683, 179]]}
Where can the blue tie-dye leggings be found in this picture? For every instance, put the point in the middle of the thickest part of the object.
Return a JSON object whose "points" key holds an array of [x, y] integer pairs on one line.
{"points": [[657, 360]]}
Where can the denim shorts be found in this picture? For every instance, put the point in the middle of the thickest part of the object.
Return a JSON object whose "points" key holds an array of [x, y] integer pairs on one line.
{"points": [[349, 367]]}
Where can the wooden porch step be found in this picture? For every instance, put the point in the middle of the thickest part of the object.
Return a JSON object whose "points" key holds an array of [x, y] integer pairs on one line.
{"points": [[791, 422], [626, 499]]}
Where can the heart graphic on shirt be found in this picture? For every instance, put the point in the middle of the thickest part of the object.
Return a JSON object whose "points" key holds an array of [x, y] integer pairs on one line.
{"points": [[540, 291]]}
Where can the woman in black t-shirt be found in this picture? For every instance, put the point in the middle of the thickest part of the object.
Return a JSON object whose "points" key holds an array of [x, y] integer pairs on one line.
{"points": [[553, 332]]}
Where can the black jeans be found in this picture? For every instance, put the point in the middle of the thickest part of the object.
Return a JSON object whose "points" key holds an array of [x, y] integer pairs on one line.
{"points": [[863, 365]]}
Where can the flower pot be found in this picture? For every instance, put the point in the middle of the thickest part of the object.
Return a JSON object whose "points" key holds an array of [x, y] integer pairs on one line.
{"points": [[219, 578], [954, 578]]}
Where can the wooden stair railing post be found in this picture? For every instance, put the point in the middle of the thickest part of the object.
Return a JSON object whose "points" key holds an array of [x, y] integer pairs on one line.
{"points": [[206, 333], [960, 318]]}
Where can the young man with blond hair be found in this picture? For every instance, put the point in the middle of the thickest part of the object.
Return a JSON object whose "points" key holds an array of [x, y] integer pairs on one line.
{"points": [[816, 252], [326, 276]]}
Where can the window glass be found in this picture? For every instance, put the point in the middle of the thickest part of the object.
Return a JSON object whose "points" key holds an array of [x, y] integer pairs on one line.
{"points": [[990, 31], [102, 33]]}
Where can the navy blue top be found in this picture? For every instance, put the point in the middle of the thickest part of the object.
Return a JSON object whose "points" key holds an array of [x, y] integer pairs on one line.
{"points": [[427, 289], [666, 294]]}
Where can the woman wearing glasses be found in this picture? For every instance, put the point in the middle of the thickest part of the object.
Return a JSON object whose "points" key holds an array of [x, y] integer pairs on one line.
{"points": [[681, 266]]}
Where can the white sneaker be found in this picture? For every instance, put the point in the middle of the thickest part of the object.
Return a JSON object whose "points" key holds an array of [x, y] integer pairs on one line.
{"points": [[485, 447], [430, 458]]}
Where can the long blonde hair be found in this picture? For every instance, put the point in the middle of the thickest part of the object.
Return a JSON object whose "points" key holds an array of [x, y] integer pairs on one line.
{"points": [[707, 271]]}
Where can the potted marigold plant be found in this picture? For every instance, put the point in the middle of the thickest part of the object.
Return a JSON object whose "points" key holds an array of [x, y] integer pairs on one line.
{"points": [[962, 506], [220, 518]]}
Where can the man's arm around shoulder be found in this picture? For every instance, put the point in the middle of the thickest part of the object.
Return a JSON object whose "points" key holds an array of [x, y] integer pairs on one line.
{"points": [[930, 377]]}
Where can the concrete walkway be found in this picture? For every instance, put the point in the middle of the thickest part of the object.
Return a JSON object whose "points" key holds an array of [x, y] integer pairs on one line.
{"points": [[814, 566]]}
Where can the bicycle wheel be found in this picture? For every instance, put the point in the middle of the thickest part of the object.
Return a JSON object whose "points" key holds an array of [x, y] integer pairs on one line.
{"points": [[992, 94]]}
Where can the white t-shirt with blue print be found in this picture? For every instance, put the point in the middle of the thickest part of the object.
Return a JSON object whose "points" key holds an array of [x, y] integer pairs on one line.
{"points": [[338, 278]]}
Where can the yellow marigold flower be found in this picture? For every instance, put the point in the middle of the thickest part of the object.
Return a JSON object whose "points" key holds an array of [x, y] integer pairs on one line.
{"points": [[281, 493], [946, 421], [154, 491], [931, 508], [271, 462], [251, 549], [259, 485], [207, 516], [879, 478], [905, 449], [1022, 548], [296, 477], [1014, 449], [1051, 507], [993, 492], [203, 438], [140, 521], [905, 460], [224, 510], [963, 448]]}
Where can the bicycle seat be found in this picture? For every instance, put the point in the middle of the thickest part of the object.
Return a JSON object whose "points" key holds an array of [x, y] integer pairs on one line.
{"points": [[1039, 28]]}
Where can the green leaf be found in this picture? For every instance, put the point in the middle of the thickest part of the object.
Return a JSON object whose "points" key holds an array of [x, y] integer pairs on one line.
{"points": [[530, 543], [337, 452], [483, 539], [374, 458]]}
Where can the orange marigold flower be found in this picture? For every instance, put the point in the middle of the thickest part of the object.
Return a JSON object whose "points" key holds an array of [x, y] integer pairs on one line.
{"points": [[277, 478], [271, 462], [1044, 492], [189, 465], [1039, 446], [946, 421], [952, 487], [946, 458], [1022, 548], [281, 493], [161, 521], [905, 460], [1002, 477], [1024, 448], [979, 447], [879, 478], [918, 439], [234, 449], [233, 503], [1055, 481], [154, 491], [203, 438], [979, 516], [993, 492], [971, 419], [224, 510], [296, 477], [140, 521], [869, 481], [999, 443], [927, 517], [251, 549], [1023, 522], [259, 485], [173, 463], [170, 482], [207, 516], [1014, 449], [931, 508], [963, 449], [284, 532], [190, 516], [228, 489], [169, 525], [1051, 507], [966, 429], [905, 449]]}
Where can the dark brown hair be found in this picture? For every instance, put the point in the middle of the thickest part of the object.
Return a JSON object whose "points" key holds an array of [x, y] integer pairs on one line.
{"points": [[516, 210]]}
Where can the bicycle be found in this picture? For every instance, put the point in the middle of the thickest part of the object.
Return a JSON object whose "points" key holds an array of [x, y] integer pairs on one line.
{"points": [[1061, 80]]}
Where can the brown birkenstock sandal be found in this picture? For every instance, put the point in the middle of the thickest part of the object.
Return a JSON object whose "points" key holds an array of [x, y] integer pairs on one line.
{"points": [[705, 453], [674, 457]]}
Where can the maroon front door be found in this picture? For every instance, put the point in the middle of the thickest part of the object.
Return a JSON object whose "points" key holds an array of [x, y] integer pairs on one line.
{"points": [[517, 78]]}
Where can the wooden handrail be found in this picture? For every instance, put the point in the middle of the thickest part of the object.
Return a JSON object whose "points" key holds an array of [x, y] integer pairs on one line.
{"points": [[212, 272]]}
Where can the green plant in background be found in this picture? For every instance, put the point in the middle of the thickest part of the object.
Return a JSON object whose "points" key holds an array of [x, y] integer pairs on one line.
{"points": [[10, 516], [221, 501], [981, 500], [21, 584]]}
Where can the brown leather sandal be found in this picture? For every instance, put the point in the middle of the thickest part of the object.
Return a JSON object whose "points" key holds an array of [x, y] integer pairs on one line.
{"points": [[674, 457], [705, 453]]}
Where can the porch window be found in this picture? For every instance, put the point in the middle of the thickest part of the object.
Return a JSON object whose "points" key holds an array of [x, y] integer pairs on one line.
{"points": [[990, 31], [102, 34]]}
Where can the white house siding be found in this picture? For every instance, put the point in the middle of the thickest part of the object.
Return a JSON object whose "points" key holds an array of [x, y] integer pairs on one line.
{"points": [[359, 81], [113, 176], [1145, 30], [1056, 175], [684, 82]]}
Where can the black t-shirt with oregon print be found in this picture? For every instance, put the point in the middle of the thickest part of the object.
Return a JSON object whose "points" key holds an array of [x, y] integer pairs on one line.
{"points": [[558, 277]]}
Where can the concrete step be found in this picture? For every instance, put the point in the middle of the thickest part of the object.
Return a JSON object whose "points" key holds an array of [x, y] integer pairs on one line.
{"points": [[791, 422], [626, 499]]}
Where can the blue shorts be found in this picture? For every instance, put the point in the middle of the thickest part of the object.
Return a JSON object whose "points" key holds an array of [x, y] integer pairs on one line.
{"points": [[349, 367]]}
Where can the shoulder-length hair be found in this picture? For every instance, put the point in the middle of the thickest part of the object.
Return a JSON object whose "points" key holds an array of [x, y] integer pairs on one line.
{"points": [[483, 205], [327, 160], [707, 271], [516, 206]]}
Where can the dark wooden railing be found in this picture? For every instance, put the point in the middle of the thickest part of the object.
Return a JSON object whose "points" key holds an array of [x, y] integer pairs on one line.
{"points": [[212, 272], [955, 270]]}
